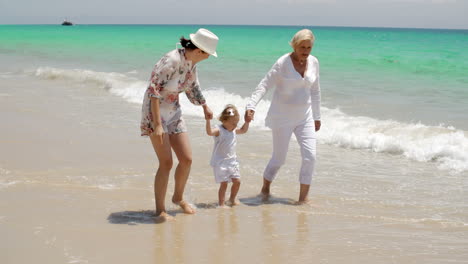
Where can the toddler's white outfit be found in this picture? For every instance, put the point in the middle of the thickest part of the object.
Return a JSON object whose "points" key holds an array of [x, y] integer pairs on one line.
{"points": [[224, 158]]}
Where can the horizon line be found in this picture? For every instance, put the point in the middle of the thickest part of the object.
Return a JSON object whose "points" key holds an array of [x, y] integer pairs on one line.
{"points": [[234, 25]]}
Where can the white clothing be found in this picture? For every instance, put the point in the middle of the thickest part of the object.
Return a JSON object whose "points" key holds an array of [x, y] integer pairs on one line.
{"points": [[224, 158], [305, 135], [294, 107], [223, 174], [295, 97]]}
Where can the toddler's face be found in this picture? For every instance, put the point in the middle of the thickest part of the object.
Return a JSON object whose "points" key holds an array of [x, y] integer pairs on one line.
{"points": [[231, 123]]}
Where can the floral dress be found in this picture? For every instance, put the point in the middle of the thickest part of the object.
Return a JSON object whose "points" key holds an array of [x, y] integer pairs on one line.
{"points": [[171, 75]]}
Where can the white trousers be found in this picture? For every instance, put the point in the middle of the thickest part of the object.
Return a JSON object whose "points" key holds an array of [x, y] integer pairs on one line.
{"points": [[305, 135]]}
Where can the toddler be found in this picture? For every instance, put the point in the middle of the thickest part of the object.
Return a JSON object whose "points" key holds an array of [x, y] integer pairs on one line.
{"points": [[224, 159]]}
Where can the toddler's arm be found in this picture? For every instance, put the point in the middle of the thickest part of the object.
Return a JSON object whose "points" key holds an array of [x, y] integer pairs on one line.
{"points": [[243, 129], [211, 131]]}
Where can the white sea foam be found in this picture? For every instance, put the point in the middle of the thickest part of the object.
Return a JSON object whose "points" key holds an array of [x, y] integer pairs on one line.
{"points": [[130, 88], [446, 146]]}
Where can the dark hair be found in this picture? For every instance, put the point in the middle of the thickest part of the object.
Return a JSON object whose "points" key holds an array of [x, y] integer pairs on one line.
{"points": [[187, 43]]}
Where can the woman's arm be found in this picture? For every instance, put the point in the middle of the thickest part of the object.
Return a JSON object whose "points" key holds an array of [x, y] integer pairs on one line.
{"points": [[158, 129], [163, 71], [193, 90], [316, 99], [211, 131], [315, 94], [207, 111], [265, 84], [195, 95]]}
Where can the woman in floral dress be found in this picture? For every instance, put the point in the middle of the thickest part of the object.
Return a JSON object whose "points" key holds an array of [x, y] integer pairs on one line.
{"points": [[162, 118]]}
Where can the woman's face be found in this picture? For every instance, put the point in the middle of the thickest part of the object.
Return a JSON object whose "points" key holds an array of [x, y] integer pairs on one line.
{"points": [[202, 55], [303, 49]]}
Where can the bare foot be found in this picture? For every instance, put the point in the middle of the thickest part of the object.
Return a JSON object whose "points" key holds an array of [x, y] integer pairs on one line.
{"points": [[309, 203], [232, 203], [223, 206], [265, 196], [185, 207], [163, 217], [265, 193], [306, 202]]}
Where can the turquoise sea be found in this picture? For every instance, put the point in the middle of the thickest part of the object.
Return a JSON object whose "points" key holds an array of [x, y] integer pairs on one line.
{"points": [[384, 89], [392, 173]]}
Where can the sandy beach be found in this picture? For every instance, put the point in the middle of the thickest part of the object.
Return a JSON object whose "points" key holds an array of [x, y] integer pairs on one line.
{"points": [[76, 187]]}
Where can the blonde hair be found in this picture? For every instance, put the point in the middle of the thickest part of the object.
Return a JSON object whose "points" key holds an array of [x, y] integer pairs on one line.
{"points": [[301, 35], [227, 113]]}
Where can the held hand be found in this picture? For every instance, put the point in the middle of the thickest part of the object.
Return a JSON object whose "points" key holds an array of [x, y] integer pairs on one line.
{"points": [[159, 133], [249, 115], [318, 124], [208, 113]]}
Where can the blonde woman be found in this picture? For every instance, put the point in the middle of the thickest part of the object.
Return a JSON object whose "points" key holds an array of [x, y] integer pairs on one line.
{"points": [[295, 108], [162, 120]]}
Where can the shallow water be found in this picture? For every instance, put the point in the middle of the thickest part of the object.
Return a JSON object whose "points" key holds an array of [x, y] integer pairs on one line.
{"points": [[76, 177]]}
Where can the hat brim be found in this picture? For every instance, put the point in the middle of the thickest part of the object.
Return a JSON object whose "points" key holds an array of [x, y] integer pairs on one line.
{"points": [[198, 46]]}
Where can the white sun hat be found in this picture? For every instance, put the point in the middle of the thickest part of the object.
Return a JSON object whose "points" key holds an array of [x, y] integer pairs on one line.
{"points": [[205, 40]]}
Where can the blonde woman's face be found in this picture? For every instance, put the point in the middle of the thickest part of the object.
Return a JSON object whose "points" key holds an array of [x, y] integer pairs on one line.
{"points": [[303, 49]]}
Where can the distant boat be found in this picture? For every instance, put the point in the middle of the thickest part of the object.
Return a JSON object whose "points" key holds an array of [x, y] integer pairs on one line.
{"points": [[67, 23]]}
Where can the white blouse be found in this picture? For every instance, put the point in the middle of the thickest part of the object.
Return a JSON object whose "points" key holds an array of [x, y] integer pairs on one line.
{"points": [[295, 98]]}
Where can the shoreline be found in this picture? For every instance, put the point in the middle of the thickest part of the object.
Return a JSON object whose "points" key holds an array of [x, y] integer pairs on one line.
{"points": [[76, 187]]}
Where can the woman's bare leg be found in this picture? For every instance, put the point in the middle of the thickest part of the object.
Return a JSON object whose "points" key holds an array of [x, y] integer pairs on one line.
{"points": [[164, 154], [181, 145], [266, 189], [303, 193]]}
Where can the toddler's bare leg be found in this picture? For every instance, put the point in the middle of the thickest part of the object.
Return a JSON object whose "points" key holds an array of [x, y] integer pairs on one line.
{"points": [[222, 193], [234, 190]]}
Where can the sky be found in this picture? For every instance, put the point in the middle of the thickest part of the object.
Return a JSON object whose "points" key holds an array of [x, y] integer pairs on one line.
{"points": [[451, 14]]}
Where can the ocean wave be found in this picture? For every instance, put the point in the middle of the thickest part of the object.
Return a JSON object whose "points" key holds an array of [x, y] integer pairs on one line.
{"points": [[445, 145], [129, 88]]}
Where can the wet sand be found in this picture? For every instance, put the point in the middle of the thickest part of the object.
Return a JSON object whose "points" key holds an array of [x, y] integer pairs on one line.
{"points": [[76, 187]]}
